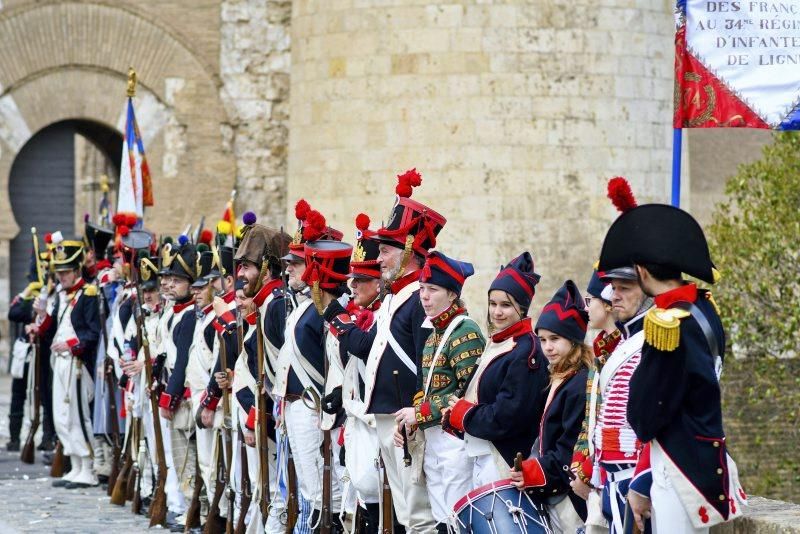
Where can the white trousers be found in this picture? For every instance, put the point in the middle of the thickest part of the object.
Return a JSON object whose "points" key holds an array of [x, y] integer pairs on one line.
{"points": [[409, 496], [176, 501], [484, 471], [66, 418], [448, 471], [305, 439], [668, 513]]}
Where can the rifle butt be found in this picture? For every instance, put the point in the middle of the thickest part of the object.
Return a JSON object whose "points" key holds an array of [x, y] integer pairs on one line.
{"points": [[59, 462], [136, 503], [119, 493], [241, 527], [292, 509], [28, 453], [158, 508]]}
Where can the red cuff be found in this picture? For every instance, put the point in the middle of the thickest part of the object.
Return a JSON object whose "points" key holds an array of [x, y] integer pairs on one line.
{"points": [[187, 393], [251, 419], [218, 327], [209, 401], [165, 401], [458, 413], [584, 464], [227, 318], [74, 345], [425, 409], [532, 473], [46, 322]]}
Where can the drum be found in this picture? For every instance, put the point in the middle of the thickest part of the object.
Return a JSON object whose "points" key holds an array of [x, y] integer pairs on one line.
{"points": [[500, 508]]}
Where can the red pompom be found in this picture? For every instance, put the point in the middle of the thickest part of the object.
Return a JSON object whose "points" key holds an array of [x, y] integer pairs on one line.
{"points": [[314, 226], [301, 209], [48, 238], [206, 236], [403, 189], [130, 219], [362, 221], [124, 230], [412, 177], [118, 219], [619, 191]]}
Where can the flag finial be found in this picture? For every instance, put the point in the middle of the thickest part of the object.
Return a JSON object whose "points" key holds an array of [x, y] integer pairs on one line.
{"points": [[104, 183], [131, 82]]}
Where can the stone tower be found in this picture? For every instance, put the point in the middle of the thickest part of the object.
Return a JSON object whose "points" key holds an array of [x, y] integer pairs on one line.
{"points": [[515, 113]]}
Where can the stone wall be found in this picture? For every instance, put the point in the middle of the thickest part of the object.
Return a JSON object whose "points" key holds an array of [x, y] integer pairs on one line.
{"points": [[516, 114], [254, 66]]}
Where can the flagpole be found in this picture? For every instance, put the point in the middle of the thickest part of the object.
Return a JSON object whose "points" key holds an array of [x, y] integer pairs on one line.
{"points": [[677, 141]]}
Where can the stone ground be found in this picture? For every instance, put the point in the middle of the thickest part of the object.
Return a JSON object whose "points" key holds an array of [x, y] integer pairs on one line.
{"points": [[28, 503]]}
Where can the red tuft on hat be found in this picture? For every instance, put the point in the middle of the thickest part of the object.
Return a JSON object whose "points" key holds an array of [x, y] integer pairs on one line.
{"points": [[206, 236], [301, 209], [619, 191]]}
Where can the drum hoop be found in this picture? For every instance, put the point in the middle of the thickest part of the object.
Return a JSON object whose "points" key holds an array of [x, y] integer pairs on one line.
{"points": [[482, 491]]}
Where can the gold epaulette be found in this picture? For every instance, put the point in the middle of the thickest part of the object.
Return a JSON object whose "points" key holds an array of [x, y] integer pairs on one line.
{"points": [[662, 328], [90, 290]]}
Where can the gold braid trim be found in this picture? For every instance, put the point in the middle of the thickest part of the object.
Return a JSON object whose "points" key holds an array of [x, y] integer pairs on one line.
{"points": [[662, 328], [189, 271], [406, 256], [316, 296], [261, 274]]}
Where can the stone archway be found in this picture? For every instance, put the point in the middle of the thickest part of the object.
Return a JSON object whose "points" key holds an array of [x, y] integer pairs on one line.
{"points": [[69, 60]]}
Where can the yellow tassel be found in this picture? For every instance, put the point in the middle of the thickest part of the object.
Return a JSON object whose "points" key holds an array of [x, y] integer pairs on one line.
{"points": [[596, 264], [406, 256], [717, 276], [662, 328], [316, 296]]}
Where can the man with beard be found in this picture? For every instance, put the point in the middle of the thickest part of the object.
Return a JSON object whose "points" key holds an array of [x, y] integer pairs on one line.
{"points": [[259, 275], [393, 350]]}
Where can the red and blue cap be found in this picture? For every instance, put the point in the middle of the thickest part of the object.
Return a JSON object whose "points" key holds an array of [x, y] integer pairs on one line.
{"points": [[518, 279], [565, 314], [445, 272]]}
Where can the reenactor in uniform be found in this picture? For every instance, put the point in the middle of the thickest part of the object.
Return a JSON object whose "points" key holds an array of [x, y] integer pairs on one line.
{"points": [[393, 348], [72, 314], [300, 371], [685, 481], [174, 403]]}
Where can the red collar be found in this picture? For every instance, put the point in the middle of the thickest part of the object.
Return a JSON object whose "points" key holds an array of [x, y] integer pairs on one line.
{"points": [[518, 329], [177, 308], [251, 318], [79, 284], [441, 321], [229, 296], [266, 291], [403, 281], [684, 293], [208, 308]]}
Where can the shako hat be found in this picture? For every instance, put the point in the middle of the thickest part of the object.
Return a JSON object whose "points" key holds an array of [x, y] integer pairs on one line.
{"points": [[327, 263], [411, 224], [97, 238], [364, 263], [445, 272], [148, 270], [66, 254], [205, 259], [565, 314], [311, 226], [518, 279], [184, 264]]}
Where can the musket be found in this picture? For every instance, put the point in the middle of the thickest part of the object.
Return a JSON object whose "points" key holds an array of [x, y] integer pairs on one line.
{"points": [[247, 494], [213, 519], [406, 454], [387, 521], [28, 454], [227, 437], [136, 432], [58, 468], [119, 491], [193, 513], [292, 506], [158, 506], [261, 425]]}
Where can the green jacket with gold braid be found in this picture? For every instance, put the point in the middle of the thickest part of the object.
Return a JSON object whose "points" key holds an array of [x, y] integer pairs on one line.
{"points": [[453, 368]]}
